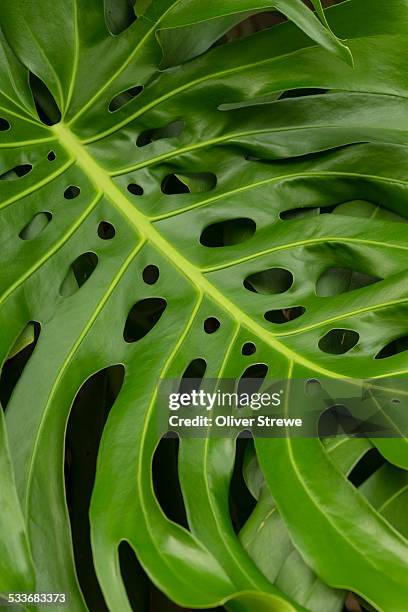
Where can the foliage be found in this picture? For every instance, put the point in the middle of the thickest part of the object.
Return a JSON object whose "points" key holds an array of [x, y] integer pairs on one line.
{"points": [[153, 181]]}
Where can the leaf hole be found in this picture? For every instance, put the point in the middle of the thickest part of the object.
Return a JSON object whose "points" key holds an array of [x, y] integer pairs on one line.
{"points": [[134, 189], [305, 211], [119, 15], [134, 577], [51, 156], [252, 378], [399, 345], [248, 349], [228, 233], [313, 387], [193, 182], [4, 125], [298, 213], [17, 359], [337, 420], [193, 375], [15, 173], [211, 325], [338, 341], [284, 315], [269, 282], [172, 130], [166, 480], [106, 230], [151, 274], [79, 272], [124, 97], [45, 103], [249, 25], [71, 192], [371, 461], [241, 502], [89, 413], [142, 317], [172, 185], [36, 226], [302, 92], [335, 281], [195, 369]]}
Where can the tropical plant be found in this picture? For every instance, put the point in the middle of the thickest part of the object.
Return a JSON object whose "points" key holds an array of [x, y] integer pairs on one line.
{"points": [[173, 206]]}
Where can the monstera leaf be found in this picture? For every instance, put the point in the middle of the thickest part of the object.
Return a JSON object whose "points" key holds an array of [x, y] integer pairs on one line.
{"points": [[171, 206]]}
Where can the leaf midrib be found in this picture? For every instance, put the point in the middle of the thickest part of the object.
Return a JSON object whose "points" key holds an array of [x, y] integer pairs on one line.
{"points": [[142, 225]]}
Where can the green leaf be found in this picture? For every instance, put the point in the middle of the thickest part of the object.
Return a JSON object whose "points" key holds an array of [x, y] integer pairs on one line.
{"points": [[191, 27], [16, 568], [326, 528], [267, 540], [143, 161]]}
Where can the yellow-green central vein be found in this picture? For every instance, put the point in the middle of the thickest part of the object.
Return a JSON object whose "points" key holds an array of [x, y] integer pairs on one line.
{"points": [[143, 226]]}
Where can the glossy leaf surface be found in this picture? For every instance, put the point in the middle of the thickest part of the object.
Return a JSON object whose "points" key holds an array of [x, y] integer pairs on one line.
{"points": [[163, 135]]}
